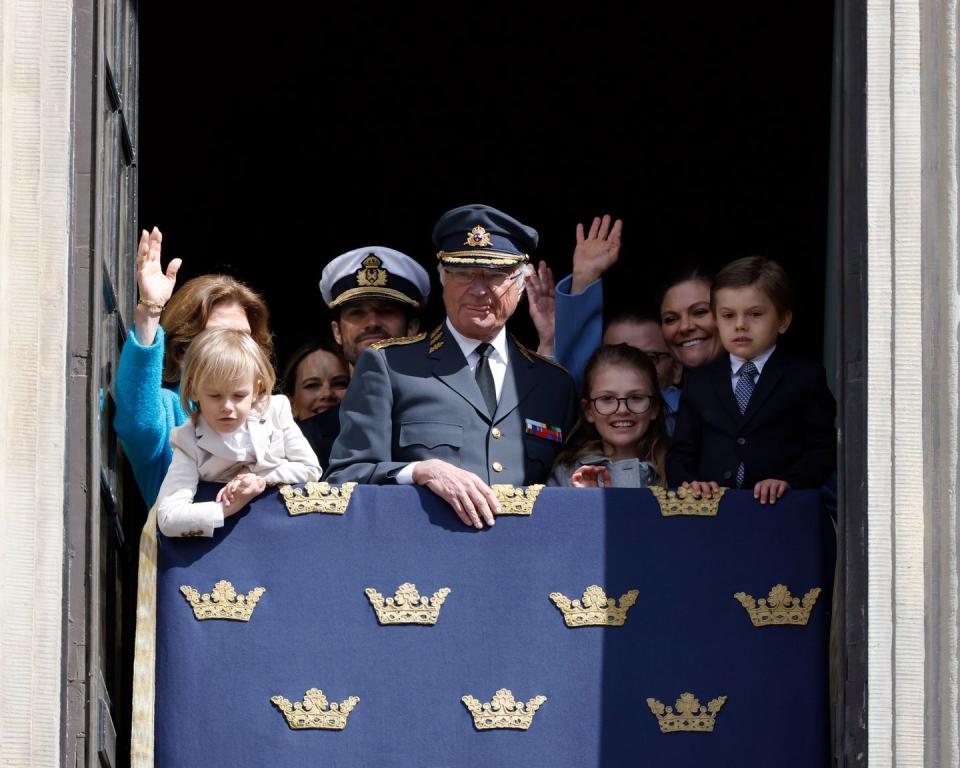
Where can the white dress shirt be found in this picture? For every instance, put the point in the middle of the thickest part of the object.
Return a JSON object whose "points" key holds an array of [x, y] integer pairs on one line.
{"points": [[497, 360], [240, 444]]}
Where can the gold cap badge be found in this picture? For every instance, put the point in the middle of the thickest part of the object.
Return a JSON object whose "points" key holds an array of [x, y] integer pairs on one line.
{"points": [[371, 274], [478, 237]]}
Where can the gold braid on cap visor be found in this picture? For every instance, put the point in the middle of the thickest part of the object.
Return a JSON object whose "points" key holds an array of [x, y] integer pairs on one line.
{"points": [[489, 258]]}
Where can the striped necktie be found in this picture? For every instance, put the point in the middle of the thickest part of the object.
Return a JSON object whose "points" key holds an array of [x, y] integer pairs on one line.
{"points": [[743, 393]]}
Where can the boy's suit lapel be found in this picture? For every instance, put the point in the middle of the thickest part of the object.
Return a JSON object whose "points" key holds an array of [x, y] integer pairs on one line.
{"points": [[209, 439], [259, 434], [772, 372], [723, 386]]}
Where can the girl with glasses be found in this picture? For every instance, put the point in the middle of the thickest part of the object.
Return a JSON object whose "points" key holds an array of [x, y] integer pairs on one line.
{"points": [[620, 440]]}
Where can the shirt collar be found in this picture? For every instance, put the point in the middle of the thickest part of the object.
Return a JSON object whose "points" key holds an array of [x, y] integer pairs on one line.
{"points": [[468, 346], [759, 361]]}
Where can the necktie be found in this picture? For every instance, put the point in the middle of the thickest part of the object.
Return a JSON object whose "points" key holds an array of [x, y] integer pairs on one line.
{"points": [[484, 377], [742, 393]]}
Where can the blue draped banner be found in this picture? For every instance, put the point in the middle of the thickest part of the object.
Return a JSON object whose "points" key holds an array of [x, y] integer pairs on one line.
{"points": [[314, 627]]}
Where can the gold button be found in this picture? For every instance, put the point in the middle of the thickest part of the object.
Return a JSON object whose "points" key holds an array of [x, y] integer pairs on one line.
{"points": [[497, 466], [496, 433]]}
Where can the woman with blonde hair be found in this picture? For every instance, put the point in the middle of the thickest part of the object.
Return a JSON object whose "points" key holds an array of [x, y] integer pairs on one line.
{"points": [[148, 374]]}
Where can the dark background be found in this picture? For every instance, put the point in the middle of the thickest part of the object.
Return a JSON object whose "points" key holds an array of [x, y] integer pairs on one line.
{"points": [[270, 142]]}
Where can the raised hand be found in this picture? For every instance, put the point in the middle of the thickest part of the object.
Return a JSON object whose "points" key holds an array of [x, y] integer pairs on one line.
{"points": [[467, 494], [542, 299], [596, 252], [155, 286]]}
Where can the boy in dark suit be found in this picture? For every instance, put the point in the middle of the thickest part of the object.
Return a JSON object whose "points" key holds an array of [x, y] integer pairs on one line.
{"points": [[757, 417]]}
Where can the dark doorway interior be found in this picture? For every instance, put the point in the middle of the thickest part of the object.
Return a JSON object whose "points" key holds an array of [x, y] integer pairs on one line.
{"points": [[271, 142]]}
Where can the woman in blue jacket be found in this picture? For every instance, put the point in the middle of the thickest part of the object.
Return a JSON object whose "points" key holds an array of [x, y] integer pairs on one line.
{"points": [[148, 374]]}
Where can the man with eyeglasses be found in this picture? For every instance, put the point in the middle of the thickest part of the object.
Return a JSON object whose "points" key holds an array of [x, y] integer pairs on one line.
{"points": [[465, 406]]}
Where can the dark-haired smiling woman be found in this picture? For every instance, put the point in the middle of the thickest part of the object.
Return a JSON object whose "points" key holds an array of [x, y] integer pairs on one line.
{"points": [[315, 378], [686, 319]]}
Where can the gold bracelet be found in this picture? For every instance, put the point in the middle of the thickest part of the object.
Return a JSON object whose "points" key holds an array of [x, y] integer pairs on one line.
{"points": [[151, 304]]}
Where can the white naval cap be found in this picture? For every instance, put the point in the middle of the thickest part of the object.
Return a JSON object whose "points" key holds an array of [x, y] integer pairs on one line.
{"points": [[374, 272]]}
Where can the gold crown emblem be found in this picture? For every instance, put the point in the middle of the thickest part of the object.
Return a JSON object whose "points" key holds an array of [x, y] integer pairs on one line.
{"points": [[780, 607], [371, 274], [478, 237], [315, 712], [222, 602], [685, 502], [516, 501], [407, 606], [503, 711], [595, 609], [690, 715], [317, 497]]}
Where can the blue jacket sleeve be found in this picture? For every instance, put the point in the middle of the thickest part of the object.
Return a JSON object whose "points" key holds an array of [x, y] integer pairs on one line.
{"points": [[579, 326], [146, 413]]}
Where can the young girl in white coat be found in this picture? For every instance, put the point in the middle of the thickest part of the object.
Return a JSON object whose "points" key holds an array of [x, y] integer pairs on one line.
{"points": [[238, 434]]}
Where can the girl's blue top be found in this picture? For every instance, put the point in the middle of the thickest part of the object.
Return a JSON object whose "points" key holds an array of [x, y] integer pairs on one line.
{"points": [[147, 412]]}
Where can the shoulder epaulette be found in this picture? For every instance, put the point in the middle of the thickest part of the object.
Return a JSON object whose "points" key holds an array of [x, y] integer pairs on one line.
{"points": [[530, 354], [398, 340], [436, 339]]}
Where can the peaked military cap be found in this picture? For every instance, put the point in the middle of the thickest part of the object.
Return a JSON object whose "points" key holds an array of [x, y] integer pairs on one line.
{"points": [[481, 236], [374, 272]]}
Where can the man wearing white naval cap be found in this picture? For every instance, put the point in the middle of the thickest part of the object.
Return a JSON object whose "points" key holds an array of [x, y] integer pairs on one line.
{"points": [[376, 293]]}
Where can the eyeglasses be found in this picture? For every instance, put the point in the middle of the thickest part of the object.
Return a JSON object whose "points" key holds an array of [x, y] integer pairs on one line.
{"points": [[607, 405], [492, 278]]}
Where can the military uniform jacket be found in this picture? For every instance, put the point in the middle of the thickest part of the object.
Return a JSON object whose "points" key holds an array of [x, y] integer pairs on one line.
{"points": [[416, 398], [786, 433]]}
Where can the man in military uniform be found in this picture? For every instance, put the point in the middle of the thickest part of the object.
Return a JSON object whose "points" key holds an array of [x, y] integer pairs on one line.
{"points": [[466, 405], [377, 293]]}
